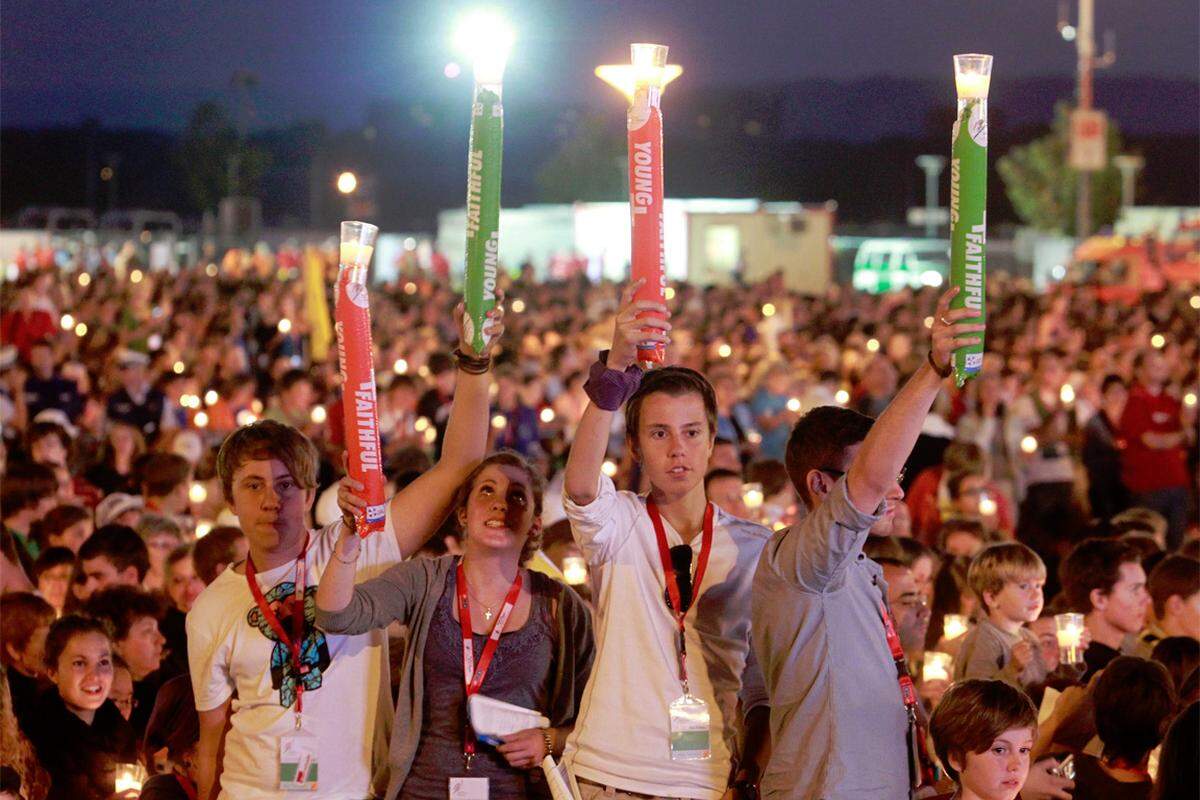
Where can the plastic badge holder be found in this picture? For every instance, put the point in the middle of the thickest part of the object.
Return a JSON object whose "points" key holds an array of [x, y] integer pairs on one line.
{"points": [[493, 720]]}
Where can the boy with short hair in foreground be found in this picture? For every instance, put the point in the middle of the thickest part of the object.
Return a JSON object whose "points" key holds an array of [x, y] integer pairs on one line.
{"points": [[983, 733], [1007, 578]]}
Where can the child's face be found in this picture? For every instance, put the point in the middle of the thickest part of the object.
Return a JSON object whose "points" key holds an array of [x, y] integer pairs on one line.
{"points": [[1020, 600], [84, 672], [999, 772]]}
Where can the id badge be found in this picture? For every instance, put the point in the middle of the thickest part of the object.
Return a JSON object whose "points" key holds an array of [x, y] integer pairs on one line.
{"points": [[298, 762], [468, 789], [689, 729]]}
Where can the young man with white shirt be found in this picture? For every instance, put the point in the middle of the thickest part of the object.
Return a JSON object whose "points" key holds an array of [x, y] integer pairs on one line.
{"points": [[660, 714], [841, 714], [327, 701]]}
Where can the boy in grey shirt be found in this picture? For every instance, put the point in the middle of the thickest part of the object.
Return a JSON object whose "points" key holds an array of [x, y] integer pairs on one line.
{"points": [[1007, 578]]}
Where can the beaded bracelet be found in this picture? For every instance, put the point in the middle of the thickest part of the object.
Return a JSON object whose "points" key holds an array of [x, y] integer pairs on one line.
{"points": [[472, 365]]}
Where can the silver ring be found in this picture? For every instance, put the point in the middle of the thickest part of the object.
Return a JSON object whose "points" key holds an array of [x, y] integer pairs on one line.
{"points": [[943, 320]]}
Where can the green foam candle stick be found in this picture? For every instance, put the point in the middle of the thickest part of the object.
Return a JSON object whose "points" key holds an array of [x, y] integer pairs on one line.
{"points": [[968, 203]]}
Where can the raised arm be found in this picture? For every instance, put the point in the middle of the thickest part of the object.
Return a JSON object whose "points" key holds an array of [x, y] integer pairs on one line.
{"points": [[591, 437], [883, 453], [419, 509], [343, 607]]}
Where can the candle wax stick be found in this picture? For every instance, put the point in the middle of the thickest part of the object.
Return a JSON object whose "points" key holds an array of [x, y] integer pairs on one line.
{"points": [[968, 209], [483, 209]]}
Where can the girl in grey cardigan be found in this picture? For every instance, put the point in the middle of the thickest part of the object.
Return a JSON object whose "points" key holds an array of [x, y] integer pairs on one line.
{"points": [[541, 661]]}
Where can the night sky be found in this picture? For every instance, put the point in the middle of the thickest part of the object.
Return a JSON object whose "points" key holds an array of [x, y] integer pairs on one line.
{"points": [[145, 63]]}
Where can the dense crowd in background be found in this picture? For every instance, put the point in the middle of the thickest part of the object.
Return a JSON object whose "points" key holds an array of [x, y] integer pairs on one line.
{"points": [[1078, 440]]}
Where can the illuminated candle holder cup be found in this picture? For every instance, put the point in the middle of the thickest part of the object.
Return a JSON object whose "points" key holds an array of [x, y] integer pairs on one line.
{"points": [[1069, 630], [954, 626], [937, 666], [129, 778], [574, 569], [752, 496], [357, 245], [972, 75]]}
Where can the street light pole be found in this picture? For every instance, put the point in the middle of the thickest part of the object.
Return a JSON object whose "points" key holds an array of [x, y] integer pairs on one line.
{"points": [[1130, 165], [1086, 48], [1084, 34]]}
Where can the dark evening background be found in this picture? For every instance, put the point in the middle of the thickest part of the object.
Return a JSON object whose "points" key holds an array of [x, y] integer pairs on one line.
{"points": [[805, 101]]}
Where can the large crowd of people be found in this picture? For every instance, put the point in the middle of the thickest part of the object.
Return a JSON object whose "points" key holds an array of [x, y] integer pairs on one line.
{"points": [[796, 560]]}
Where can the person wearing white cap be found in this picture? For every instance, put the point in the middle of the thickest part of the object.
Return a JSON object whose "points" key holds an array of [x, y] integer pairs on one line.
{"points": [[119, 509], [137, 402]]}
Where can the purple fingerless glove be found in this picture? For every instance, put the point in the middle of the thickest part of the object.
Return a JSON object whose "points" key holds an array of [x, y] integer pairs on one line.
{"points": [[608, 388]]}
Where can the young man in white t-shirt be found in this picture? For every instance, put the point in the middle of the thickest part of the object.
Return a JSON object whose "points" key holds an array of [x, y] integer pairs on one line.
{"points": [[335, 688], [623, 742]]}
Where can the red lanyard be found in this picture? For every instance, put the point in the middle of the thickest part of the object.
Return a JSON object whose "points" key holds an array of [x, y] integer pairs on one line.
{"points": [[295, 642], [1136, 769], [672, 580], [920, 762], [185, 783], [473, 674]]}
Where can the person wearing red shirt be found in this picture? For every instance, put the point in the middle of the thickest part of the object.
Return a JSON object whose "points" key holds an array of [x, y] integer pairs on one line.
{"points": [[33, 319], [1154, 461]]}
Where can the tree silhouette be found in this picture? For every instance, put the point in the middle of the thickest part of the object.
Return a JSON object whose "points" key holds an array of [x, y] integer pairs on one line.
{"points": [[1043, 187]]}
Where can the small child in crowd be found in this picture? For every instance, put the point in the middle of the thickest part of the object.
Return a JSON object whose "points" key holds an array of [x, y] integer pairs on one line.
{"points": [[1007, 578], [983, 733]]}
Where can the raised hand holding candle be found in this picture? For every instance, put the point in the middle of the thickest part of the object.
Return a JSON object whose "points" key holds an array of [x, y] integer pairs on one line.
{"points": [[642, 82], [968, 201], [352, 317], [488, 40]]}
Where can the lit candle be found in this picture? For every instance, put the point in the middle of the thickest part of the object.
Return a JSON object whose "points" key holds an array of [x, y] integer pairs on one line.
{"points": [[937, 667], [752, 495], [574, 569], [1069, 629], [954, 626], [129, 778]]}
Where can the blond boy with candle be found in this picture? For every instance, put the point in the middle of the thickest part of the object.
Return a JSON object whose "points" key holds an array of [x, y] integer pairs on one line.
{"points": [[1007, 578]]}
